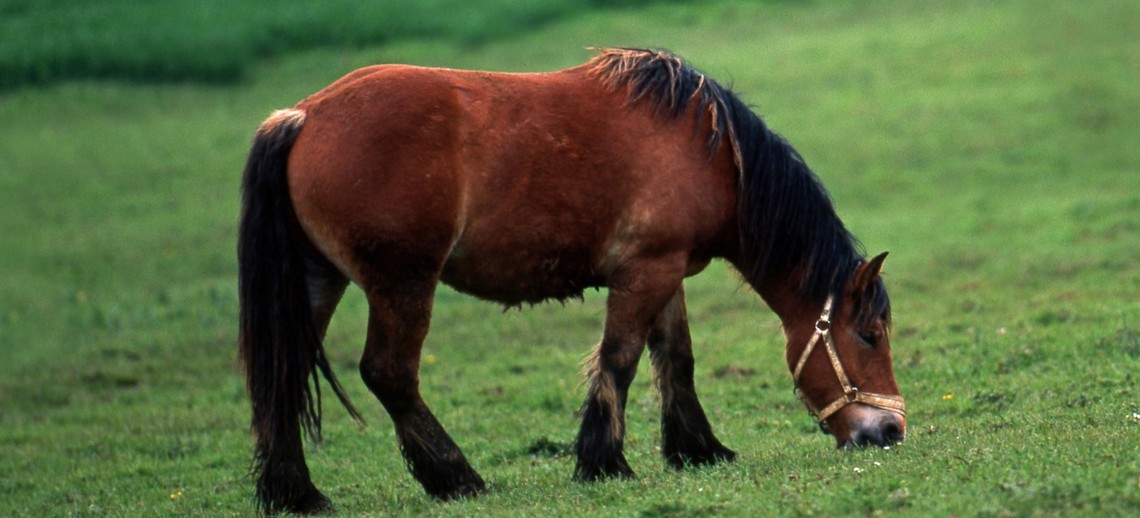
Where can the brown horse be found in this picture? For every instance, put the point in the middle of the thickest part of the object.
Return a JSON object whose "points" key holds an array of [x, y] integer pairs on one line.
{"points": [[630, 172]]}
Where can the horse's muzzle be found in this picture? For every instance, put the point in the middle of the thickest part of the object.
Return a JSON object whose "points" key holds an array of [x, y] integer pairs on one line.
{"points": [[871, 427]]}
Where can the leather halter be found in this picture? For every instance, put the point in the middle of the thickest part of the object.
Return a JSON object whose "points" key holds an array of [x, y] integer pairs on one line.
{"points": [[851, 394]]}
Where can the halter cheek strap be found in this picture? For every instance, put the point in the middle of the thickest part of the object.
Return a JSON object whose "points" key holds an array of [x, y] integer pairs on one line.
{"points": [[851, 394]]}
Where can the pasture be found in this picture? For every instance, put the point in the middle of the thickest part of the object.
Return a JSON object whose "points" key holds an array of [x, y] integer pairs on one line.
{"points": [[989, 146]]}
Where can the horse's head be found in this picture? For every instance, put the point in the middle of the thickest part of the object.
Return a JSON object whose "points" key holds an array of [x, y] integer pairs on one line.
{"points": [[841, 362]]}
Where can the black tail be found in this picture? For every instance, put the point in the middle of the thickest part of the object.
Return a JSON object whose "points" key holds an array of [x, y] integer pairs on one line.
{"points": [[279, 341]]}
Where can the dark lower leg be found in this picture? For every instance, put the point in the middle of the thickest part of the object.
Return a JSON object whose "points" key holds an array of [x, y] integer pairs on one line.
{"points": [[636, 297], [686, 436], [432, 456], [283, 482], [601, 436], [390, 368]]}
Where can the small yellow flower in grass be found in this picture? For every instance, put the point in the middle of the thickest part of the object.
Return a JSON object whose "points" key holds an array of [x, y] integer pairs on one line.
{"points": [[430, 359], [947, 397], [176, 495]]}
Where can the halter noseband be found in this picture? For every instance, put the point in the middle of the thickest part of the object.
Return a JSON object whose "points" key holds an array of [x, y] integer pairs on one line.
{"points": [[851, 394]]}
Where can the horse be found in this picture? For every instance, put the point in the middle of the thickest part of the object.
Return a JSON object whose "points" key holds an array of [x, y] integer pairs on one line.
{"points": [[629, 172]]}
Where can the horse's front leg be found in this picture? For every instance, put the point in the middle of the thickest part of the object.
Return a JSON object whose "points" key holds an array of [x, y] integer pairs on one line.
{"points": [[634, 300], [686, 437]]}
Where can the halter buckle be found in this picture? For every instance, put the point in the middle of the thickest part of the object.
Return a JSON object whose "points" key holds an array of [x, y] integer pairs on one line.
{"points": [[852, 395]]}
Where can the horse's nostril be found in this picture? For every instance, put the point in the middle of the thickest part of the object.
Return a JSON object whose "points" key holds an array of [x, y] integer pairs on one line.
{"points": [[891, 432]]}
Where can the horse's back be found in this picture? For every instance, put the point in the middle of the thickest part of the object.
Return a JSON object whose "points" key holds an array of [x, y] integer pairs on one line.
{"points": [[517, 187]]}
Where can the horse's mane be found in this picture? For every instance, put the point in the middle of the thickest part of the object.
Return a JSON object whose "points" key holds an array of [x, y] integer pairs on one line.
{"points": [[787, 221]]}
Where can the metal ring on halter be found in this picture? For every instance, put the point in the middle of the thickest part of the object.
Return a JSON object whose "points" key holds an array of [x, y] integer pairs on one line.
{"points": [[851, 394]]}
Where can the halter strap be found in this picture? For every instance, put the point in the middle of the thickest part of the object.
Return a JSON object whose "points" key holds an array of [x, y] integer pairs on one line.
{"points": [[851, 394]]}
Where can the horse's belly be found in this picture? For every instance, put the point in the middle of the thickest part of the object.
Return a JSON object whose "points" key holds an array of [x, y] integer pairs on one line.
{"points": [[516, 277]]}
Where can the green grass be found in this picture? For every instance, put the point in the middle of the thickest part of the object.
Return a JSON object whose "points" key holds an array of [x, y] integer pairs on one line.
{"points": [[989, 146]]}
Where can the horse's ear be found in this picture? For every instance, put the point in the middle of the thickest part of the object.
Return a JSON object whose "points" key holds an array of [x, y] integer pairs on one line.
{"points": [[867, 273]]}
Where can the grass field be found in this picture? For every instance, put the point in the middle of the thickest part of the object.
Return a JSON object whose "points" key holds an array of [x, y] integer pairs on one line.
{"points": [[990, 146]]}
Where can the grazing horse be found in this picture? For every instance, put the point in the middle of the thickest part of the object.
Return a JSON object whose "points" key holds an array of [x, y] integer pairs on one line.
{"points": [[630, 172]]}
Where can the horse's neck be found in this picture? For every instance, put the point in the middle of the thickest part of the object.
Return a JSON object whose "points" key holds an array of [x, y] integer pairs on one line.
{"points": [[783, 294]]}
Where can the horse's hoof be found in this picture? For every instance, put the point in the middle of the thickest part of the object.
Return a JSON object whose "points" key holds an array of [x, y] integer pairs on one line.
{"points": [[471, 486], [707, 457], [318, 504], [617, 468], [466, 491], [291, 494], [311, 503]]}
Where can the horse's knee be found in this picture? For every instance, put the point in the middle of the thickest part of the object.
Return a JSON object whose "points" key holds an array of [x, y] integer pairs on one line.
{"points": [[618, 365], [381, 378]]}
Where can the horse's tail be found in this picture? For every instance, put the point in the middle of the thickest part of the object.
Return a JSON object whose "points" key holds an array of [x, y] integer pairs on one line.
{"points": [[279, 340]]}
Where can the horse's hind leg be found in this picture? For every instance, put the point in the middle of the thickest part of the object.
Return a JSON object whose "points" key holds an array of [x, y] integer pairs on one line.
{"points": [[286, 476], [686, 437], [326, 288], [397, 324]]}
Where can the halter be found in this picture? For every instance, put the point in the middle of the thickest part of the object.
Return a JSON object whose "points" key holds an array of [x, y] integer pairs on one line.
{"points": [[851, 394]]}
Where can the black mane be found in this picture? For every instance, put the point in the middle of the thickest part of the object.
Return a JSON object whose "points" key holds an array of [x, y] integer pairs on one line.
{"points": [[787, 222]]}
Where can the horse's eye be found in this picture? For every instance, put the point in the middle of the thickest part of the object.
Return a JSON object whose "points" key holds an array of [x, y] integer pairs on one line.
{"points": [[868, 339]]}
